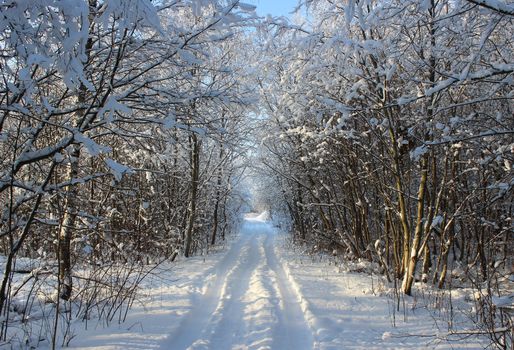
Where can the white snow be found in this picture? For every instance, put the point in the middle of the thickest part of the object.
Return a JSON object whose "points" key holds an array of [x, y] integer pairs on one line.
{"points": [[117, 169], [505, 301], [246, 7], [260, 294], [498, 5], [91, 146]]}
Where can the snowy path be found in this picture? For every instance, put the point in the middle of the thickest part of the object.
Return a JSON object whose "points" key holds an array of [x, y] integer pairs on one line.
{"points": [[250, 304], [261, 294]]}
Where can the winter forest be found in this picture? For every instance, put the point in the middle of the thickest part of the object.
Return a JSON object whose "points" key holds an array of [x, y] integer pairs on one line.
{"points": [[341, 178]]}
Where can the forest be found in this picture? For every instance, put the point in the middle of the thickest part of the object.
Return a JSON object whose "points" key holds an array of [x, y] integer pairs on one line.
{"points": [[137, 132]]}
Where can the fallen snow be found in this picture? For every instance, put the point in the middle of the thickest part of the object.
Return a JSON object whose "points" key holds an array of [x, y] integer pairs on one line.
{"points": [[261, 294]]}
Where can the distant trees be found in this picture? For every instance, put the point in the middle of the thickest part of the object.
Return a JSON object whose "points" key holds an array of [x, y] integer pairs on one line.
{"points": [[93, 91], [391, 133]]}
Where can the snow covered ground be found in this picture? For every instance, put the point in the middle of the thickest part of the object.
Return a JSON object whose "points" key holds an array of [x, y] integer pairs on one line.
{"points": [[260, 294]]}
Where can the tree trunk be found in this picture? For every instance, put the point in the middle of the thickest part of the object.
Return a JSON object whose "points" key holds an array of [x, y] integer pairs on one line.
{"points": [[70, 200], [404, 220], [408, 278], [216, 209], [68, 224], [218, 193], [195, 172]]}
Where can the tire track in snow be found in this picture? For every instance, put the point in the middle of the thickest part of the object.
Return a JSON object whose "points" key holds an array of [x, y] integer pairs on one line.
{"points": [[194, 323], [226, 327], [261, 305], [292, 331], [248, 303]]}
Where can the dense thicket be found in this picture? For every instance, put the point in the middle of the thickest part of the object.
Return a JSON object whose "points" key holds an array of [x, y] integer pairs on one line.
{"points": [[120, 129], [391, 134]]}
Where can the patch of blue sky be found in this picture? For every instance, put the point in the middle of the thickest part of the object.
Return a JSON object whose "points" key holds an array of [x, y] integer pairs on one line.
{"points": [[274, 7]]}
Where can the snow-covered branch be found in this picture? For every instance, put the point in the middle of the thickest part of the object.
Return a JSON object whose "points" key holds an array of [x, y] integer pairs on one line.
{"points": [[496, 5]]}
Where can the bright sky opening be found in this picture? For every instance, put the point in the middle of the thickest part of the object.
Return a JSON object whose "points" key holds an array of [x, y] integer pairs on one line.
{"points": [[274, 7]]}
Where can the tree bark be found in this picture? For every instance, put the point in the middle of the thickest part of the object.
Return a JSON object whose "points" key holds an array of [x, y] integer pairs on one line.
{"points": [[68, 224], [70, 202], [408, 278], [218, 198], [195, 172]]}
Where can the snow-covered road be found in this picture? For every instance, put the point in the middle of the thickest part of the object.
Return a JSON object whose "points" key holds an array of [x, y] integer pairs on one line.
{"points": [[249, 305], [260, 293]]}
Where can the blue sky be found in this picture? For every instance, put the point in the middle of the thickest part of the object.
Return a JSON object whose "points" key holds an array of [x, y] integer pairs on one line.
{"points": [[274, 7]]}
